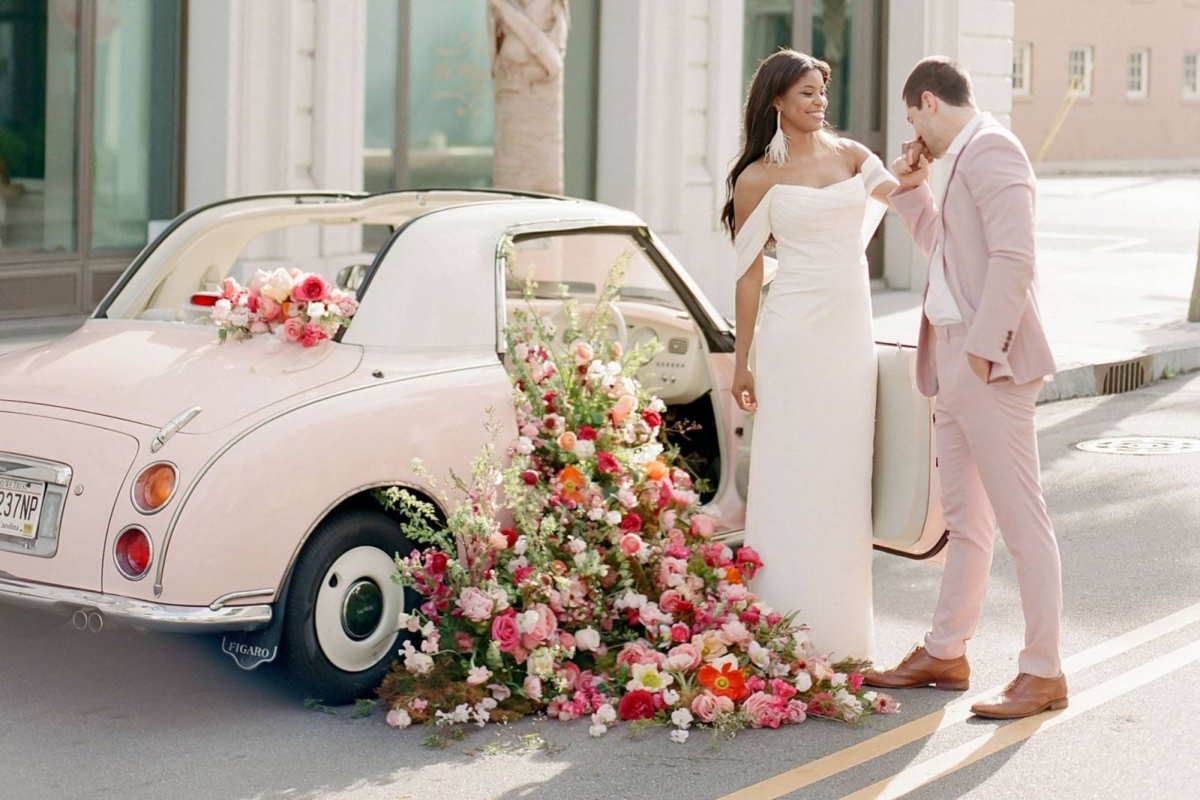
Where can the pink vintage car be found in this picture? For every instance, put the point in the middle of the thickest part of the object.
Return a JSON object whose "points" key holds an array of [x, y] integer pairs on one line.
{"points": [[152, 477]]}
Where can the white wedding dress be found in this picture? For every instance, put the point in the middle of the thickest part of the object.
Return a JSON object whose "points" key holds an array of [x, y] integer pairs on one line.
{"points": [[809, 498]]}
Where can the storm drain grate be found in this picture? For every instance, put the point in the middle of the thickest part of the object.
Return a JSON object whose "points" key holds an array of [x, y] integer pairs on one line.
{"points": [[1141, 445], [1123, 377]]}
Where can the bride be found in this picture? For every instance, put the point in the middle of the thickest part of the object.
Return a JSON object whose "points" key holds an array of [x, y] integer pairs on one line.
{"points": [[820, 197]]}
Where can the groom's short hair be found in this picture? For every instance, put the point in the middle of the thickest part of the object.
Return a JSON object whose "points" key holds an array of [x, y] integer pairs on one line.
{"points": [[949, 82]]}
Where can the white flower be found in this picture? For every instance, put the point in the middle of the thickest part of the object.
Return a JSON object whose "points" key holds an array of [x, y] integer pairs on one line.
{"points": [[759, 655], [671, 697], [527, 621], [657, 405], [613, 518], [627, 499], [584, 448], [576, 545], [524, 445], [839, 679], [682, 718], [414, 662], [409, 622], [803, 682], [399, 718], [278, 286], [488, 703], [587, 639], [517, 563], [606, 714], [580, 559], [647, 676], [851, 708], [478, 675], [679, 737], [521, 351], [315, 310], [520, 547], [597, 730], [596, 514], [541, 663]]}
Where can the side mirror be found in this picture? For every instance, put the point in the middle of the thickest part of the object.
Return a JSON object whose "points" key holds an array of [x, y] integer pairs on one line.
{"points": [[350, 278]]}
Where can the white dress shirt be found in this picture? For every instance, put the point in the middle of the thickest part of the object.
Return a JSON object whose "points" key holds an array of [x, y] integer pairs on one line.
{"points": [[940, 307]]}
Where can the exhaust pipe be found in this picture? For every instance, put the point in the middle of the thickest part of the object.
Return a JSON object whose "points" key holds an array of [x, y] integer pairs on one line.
{"points": [[87, 621]]}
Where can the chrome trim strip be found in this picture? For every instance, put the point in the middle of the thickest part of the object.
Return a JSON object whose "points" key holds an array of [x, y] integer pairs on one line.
{"points": [[170, 497], [224, 599], [15, 466], [166, 543], [174, 426], [131, 612]]}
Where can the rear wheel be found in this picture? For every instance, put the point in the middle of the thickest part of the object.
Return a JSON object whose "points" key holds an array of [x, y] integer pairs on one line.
{"points": [[339, 631]]}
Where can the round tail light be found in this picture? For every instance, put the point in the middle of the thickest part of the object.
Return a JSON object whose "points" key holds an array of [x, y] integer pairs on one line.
{"points": [[133, 552], [154, 487]]}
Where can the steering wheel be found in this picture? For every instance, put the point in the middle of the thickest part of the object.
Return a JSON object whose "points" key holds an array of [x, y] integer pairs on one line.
{"points": [[616, 329]]}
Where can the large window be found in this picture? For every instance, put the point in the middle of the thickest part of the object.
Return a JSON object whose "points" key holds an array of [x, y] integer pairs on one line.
{"points": [[89, 121], [1079, 71], [1137, 73], [430, 109], [1022, 68]]}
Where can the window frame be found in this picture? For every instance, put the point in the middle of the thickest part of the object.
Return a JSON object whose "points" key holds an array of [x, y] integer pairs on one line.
{"points": [[1085, 86], [1142, 91], [1026, 72], [1191, 92]]}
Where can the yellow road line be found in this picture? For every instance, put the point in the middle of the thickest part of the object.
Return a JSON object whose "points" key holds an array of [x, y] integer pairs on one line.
{"points": [[952, 714], [953, 760]]}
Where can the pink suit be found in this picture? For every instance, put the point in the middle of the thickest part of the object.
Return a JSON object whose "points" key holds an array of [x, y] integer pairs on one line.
{"points": [[986, 436]]}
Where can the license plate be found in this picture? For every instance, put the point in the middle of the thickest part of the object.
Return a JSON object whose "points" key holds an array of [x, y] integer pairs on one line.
{"points": [[20, 507]]}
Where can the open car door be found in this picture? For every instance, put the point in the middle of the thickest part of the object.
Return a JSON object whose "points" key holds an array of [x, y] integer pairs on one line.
{"points": [[906, 500]]}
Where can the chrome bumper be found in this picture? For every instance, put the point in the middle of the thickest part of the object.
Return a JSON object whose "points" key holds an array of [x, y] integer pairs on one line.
{"points": [[134, 613]]}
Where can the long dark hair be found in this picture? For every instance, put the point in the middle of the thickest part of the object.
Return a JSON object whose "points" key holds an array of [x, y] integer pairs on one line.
{"points": [[774, 76]]}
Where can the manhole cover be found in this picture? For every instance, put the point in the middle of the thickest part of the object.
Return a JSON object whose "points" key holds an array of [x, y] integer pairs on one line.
{"points": [[1142, 445]]}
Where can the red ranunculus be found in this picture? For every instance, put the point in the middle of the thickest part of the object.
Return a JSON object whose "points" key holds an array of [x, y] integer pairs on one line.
{"points": [[521, 574], [548, 399], [435, 563], [631, 522], [750, 616], [606, 464], [529, 477], [638, 704], [652, 418], [510, 535], [587, 433], [748, 560]]}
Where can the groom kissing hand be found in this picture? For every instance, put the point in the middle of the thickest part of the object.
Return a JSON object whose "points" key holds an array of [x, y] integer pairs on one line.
{"points": [[983, 354]]}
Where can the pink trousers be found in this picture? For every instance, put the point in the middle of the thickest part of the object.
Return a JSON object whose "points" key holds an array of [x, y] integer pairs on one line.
{"points": [[988, 464]]}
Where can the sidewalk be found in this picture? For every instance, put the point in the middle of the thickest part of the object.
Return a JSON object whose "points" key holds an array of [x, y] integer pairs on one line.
{"points": [[1116, 261]]}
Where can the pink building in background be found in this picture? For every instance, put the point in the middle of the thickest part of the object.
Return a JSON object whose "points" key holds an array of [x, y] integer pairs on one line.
{"points": [[1133, 66]]}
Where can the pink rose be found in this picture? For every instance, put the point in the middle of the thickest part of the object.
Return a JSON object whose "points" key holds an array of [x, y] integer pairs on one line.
{"points": [[684, 657], [631, 543], [606, 464], [533, 687], [540, 631], [567, 641], [269, 309], [293, 329], [638, 652], [669, 601], [707, 705], [735, 633], [347, 306], [680, 632], [748, 561], [230, 289], [476, 605], [763, 711], [312, 289], [505, 632], [259, 326], [312, 335], [624, 406], [703, 526]]}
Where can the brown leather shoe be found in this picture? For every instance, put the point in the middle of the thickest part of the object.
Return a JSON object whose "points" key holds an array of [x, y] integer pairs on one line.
{"points": [[921, 669], [1025, 696]]}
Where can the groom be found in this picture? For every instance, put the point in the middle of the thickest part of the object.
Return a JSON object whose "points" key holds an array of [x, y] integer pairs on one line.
{"points": [[983, 353]]}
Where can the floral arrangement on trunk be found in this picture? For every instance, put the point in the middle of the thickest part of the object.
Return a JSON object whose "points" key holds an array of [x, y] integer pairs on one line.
{"points": [[295, 306], [606, 597]]}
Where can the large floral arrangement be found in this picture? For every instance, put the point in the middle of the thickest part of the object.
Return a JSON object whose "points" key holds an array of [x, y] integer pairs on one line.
{"points": [[607, 595], [293, 305]]}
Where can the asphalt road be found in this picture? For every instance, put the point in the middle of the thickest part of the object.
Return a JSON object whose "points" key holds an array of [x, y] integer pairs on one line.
{"points": [[124, 715]]}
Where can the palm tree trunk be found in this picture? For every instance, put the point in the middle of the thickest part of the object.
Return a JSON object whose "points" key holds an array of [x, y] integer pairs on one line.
{"points": [[529, 42]]}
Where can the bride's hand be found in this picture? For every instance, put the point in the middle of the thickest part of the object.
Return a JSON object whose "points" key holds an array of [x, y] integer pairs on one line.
{"points": [[743, 389], [910, 174]]}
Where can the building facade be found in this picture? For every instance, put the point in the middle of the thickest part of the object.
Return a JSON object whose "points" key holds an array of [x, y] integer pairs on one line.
{"points": [[140, 109], [1108, 81]]}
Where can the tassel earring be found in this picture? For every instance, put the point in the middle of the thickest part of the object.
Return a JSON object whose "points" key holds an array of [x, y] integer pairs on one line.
{"points": [[777, 150]]}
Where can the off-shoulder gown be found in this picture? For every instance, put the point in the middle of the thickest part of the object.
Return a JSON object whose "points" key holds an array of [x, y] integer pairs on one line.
{"points": [[809, 498]]}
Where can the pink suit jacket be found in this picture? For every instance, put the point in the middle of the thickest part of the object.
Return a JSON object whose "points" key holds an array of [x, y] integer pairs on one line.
{"points": [[986, 227]]}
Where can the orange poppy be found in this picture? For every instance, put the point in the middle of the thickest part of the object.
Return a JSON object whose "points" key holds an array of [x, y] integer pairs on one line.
{"points": [[726, 682], [733, 575], [656, 470], [572, 481]]}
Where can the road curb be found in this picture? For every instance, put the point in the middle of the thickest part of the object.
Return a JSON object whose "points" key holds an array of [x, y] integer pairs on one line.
{"points": [[1085, 380]]}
